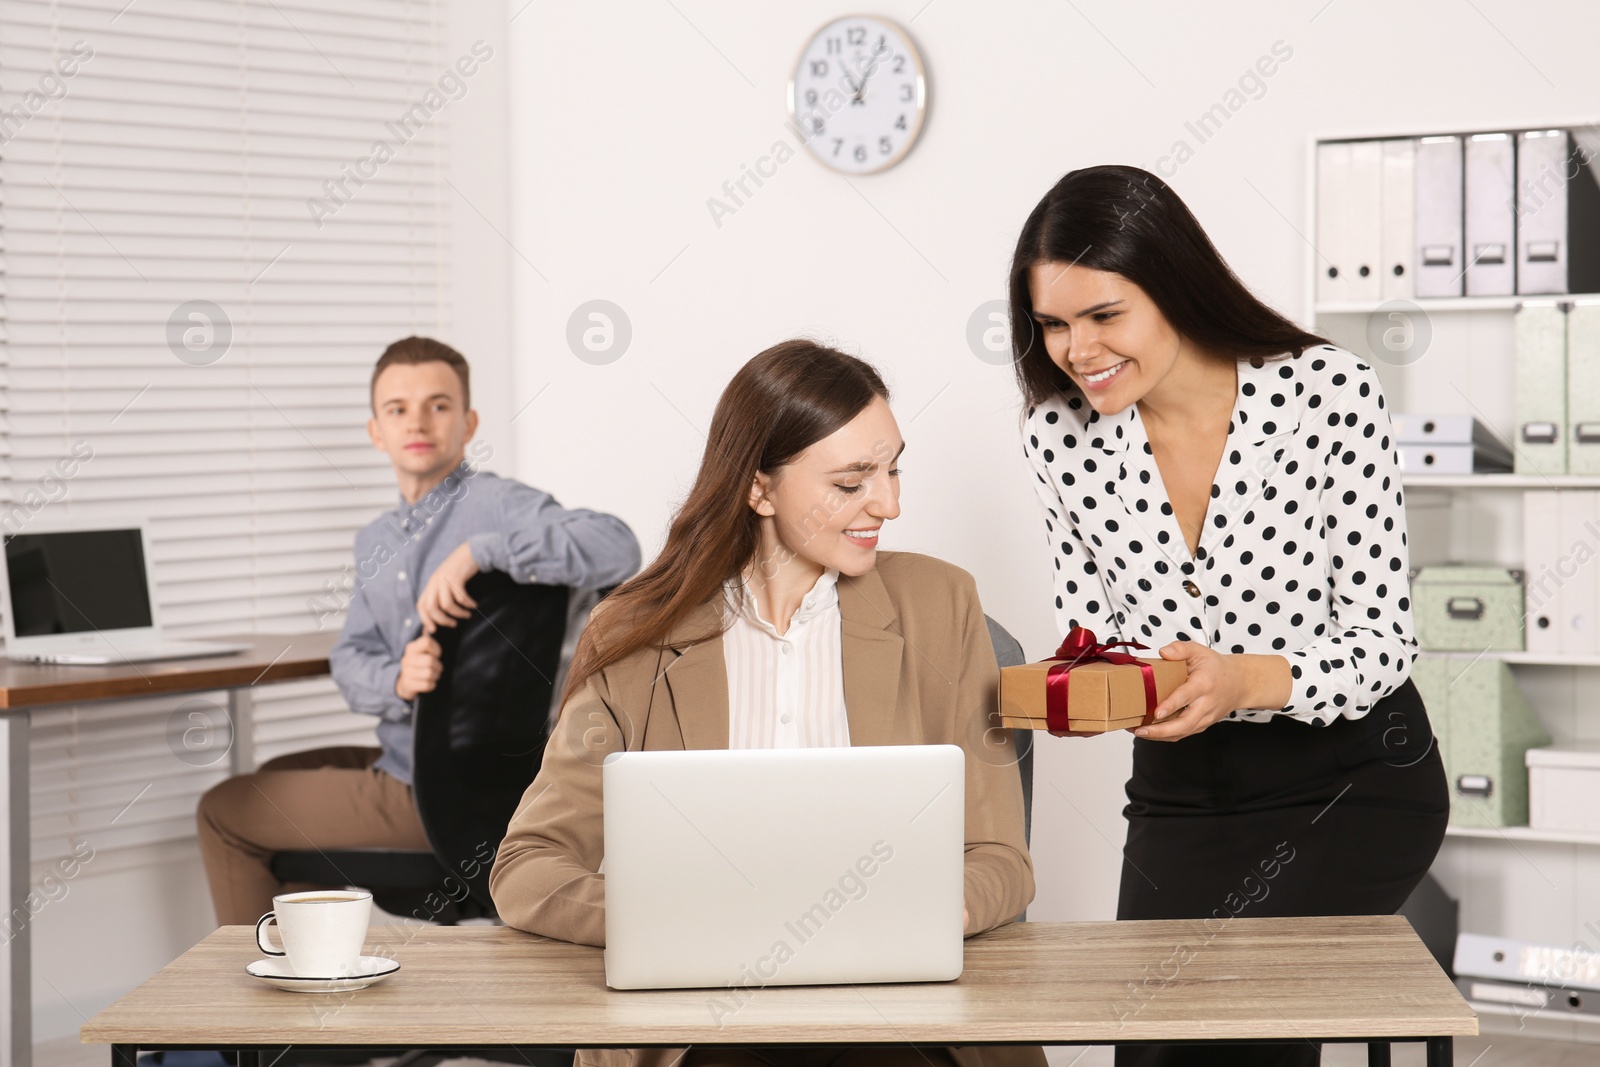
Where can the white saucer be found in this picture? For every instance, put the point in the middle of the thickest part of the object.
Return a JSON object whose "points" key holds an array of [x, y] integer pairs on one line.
{"points": [[275, 970]]}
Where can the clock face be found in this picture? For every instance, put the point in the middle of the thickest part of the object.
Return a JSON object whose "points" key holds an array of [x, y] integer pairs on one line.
{"points": [[858, 94]]}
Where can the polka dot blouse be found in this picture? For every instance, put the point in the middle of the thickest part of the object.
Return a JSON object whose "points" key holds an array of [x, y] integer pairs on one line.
{"points": [[1303, 552]]}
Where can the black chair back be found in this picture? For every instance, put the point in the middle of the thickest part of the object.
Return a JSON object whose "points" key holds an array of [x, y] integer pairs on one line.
{"points": [[479, 736]]}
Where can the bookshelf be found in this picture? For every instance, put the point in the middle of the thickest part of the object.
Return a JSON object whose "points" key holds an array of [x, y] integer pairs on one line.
{"points": [[1539, 886], [1522, 1014], [1513, 834], [1441, 303], [1526, 659], [1500, 481]]}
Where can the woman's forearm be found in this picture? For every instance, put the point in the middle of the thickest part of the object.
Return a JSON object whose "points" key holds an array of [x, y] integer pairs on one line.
{"points": [[1267, 681]]}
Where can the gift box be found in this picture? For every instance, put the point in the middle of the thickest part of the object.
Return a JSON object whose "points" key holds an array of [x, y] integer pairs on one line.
{"points": [[1086, 688]]}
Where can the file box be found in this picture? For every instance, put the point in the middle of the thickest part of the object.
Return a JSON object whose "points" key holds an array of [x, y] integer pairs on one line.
{"points": [[1483, 726], [1564, 787], [1541, 388], [1467, 608]]}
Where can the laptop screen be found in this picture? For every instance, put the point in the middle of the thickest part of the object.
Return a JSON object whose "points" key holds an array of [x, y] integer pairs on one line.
{"points": [[73, 581]]}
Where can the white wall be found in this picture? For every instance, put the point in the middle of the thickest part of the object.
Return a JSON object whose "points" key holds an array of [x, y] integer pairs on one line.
{"points": [[126, 916], [627, 117]]}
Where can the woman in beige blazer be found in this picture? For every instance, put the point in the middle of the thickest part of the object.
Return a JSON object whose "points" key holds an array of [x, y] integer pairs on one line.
{"points": [[781, 525]]}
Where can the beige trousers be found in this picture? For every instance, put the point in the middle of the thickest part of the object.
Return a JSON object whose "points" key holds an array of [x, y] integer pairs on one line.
{"points": [[324, 798]]}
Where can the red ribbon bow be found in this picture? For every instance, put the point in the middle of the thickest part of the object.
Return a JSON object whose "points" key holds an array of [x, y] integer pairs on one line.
{"points": [[1078, 648]]}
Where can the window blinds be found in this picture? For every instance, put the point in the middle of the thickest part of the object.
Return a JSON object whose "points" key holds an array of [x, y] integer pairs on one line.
{"points": [[214, 214]]}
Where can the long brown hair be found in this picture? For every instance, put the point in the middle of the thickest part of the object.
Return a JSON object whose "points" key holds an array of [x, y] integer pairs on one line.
{"points": [[1127, 221], [779, 404]]}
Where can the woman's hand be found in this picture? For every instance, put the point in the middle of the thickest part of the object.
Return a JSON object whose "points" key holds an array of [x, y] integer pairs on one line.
{"points": [[1217, 684]]}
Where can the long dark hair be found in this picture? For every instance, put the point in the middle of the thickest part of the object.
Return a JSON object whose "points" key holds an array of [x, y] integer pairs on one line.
{"points": [[779, 404], [1127, 221]]}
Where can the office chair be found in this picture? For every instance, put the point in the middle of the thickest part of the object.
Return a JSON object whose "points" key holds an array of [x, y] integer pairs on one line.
{"points": [[1008, 652], [478, 741]]}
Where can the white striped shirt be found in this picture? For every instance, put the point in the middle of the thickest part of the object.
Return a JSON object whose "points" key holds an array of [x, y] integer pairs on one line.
{"points": [[785, 691]]}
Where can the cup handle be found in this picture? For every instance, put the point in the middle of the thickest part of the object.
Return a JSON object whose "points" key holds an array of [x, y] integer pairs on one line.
{"points": [[261, 934]]}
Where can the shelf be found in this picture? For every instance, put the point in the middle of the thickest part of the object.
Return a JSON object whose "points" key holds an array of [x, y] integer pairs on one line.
{"points": [[1525, 833], [1448, 303], [1545, 659], [1529, 659], [1550, 1012], [1500, 481]]}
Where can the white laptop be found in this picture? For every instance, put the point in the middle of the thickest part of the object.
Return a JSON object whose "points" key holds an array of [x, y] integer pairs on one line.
{"points": [[809, 866], [79, 593]]}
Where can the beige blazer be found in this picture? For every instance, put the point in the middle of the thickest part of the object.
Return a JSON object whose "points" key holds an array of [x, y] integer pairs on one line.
{"points": [[918, 669]]}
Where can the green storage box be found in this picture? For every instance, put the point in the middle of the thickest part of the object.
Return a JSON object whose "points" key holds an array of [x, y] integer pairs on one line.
{"points": [[1484, 727], [1583, 388], [1459, 607], [1541, 388]]}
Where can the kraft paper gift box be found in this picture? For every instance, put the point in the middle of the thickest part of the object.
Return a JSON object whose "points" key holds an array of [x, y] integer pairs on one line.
{"points": [[1101, 697]]}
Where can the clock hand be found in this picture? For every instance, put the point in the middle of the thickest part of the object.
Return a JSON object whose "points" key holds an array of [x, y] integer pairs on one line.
{"points": [[845, 69], [871, 68]]}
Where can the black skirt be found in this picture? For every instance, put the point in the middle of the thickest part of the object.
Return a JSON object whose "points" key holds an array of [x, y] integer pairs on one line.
{"points": [[1281, 818]]}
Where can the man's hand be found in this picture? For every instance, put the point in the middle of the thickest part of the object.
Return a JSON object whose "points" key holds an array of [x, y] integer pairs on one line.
{"points": [[419, 668], [444, 599]]}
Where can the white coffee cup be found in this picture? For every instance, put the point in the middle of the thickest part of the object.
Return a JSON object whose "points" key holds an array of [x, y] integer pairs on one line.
{"points": [[322, 930]]}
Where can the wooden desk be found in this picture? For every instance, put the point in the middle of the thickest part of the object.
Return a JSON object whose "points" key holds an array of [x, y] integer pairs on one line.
{"points": [[25, 686], [1337, 979], [270, 658]]}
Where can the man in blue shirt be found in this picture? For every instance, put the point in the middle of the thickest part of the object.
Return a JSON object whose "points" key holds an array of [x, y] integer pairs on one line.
{"points": [[411, 571]]}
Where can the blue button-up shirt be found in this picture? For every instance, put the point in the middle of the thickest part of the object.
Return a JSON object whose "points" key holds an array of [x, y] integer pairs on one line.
{"points": [[510, 526]]}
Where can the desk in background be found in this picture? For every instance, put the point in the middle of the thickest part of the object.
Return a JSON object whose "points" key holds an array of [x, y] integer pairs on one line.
{"points": [[26, 686], [1334, 979]]}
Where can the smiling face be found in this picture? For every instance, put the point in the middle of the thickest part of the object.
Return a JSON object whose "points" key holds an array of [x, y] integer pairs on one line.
{"points": [[420, 420], [1104, 331], [824, 508]]}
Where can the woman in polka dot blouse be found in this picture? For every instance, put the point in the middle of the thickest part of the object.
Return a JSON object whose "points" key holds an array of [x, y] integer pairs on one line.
{"points": [[1222, 486]]}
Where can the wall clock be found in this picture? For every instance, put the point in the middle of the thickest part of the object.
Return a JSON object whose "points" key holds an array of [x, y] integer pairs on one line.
{"points": [[859, 93]]}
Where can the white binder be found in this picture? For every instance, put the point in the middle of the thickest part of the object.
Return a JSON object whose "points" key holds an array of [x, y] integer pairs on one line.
{"points": [[1528, 1000], [1398, 237], [1435, 459], [1540, 438], [1542, 211], [1583, 387], [1558, 211], [1349, 218], [1333, 262], [1541, 551], [1578, 567], [1363, 205], [1503, 959], [1438, 216], [1583, 213], [1490, 206], [1487, 449]]}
